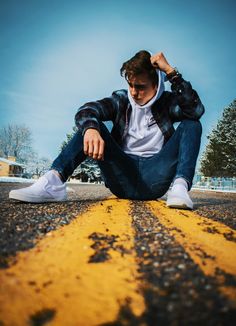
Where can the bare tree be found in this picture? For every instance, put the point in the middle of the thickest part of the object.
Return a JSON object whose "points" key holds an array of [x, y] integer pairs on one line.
{"points": [[36, 166], [15, 140]]}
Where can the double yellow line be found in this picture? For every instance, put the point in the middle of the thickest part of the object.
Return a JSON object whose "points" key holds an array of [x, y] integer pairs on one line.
{"points": [[82, 273], [56, 275], [205, 240]]}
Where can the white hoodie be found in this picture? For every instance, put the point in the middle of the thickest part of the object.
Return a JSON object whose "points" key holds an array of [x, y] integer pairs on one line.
{"points": [[144, 137]]}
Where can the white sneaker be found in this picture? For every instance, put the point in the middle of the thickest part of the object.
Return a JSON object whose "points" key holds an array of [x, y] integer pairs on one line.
{"points": [[43, 190], [176, 200]]}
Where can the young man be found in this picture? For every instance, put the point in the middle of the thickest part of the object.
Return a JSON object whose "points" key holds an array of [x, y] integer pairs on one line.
{"points": [[143, 155]]}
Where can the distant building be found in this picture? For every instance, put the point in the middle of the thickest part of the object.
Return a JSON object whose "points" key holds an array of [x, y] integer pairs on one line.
{"points": [[10, 168]]}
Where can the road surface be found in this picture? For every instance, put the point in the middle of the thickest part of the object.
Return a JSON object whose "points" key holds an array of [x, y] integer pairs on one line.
{"points": [[99, 260]]}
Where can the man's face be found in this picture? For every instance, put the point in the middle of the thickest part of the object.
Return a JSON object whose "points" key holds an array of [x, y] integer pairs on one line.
{"points": [[141, 88]]}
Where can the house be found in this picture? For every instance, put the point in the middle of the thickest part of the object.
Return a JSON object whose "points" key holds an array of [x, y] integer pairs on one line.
{"points": [[10, 168]]}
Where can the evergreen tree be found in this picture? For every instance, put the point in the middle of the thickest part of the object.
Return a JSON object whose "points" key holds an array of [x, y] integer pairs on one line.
{"points": [[68, 138], [219, 158]]}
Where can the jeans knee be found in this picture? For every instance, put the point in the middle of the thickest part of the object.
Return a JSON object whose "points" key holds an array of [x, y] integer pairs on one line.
{"points": [[192, 125]]}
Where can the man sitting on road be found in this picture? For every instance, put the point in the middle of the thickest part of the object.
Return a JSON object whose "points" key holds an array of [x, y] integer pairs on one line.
{"points": [[143, 155]]}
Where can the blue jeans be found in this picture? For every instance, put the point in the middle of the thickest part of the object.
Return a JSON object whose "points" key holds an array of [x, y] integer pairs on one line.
{"points": [[135, 177]]}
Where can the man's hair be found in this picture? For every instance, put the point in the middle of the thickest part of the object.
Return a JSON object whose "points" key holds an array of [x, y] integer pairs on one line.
{"points": [[139, 64]]}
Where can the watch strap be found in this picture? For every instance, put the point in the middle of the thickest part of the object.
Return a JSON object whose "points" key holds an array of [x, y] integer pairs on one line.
{"points": [[173, 75]]}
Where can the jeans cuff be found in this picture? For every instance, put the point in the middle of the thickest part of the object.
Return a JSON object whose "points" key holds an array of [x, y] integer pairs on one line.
{"points": [[63, 178], [186, 179]]}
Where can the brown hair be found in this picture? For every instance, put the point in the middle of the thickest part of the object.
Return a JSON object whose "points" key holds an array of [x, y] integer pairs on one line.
{"points": [[139, 64]]}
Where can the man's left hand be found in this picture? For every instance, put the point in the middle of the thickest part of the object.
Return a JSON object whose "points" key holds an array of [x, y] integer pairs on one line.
{"points": [[159, 61]]}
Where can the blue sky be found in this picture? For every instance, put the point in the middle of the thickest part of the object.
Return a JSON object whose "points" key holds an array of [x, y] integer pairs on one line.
{"points": [[56, 55]]}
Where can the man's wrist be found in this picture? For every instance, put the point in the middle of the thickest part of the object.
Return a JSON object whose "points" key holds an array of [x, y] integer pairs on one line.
{"points": [[169, 70], [174, 76], [90, 125]]}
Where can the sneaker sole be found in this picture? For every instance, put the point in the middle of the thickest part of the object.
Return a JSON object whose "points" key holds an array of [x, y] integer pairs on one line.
{"points": [[177, 203], [30, 199], [183, 206]]}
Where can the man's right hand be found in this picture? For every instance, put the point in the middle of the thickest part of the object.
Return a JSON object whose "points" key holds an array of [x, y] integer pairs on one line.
{"points": [[94, 144], [159, 61]]}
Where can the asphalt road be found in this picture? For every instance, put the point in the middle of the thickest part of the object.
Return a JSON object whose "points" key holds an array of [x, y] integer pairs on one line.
{"points": [[180, 279]]}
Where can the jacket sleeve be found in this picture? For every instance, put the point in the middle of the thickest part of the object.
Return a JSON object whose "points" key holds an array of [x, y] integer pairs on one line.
{"points": [[184, 101], [92, 113]]}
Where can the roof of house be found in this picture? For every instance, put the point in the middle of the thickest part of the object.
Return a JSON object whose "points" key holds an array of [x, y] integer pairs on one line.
{"points": [[2, 159]]}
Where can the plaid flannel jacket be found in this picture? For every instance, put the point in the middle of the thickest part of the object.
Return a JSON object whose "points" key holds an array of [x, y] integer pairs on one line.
{"points": [[181, 103]]}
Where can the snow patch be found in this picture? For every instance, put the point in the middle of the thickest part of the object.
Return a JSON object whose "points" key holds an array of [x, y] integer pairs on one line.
{"points": [[16, 179]]}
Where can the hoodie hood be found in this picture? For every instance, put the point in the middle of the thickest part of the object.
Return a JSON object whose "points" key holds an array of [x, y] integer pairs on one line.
{"points": [[160, 90]]}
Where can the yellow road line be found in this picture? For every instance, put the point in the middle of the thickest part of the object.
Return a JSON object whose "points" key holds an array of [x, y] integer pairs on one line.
{"points": [[56, 275], [204, 240]]}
